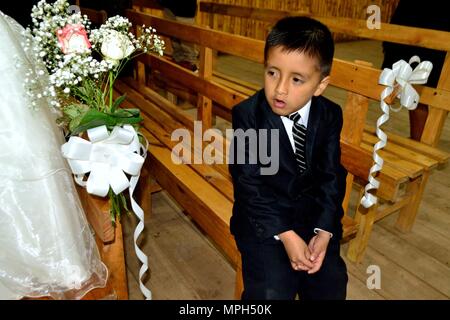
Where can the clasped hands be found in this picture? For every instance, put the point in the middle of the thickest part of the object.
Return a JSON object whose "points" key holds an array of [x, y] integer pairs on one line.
{"points": [[305, 257]]}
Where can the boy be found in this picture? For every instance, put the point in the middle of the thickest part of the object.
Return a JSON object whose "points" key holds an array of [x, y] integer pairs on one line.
{"points": [[287, 225]]}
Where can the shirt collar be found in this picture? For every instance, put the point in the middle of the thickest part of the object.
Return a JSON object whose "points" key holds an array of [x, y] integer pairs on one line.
{"points": [[304, 113]]}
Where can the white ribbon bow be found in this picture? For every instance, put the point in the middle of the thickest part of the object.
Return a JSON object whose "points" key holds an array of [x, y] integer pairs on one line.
{"points": [[403, 76], [107, 157]]}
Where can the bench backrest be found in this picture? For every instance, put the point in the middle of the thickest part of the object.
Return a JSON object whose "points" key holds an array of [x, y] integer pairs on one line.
{"points": [[349, 76], [218, 99], [425, 38]]}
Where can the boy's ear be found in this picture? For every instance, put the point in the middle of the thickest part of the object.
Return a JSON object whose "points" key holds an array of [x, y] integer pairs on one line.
{"points": [[322, 86]]}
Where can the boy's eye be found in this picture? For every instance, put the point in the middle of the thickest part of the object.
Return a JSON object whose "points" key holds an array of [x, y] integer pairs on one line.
{"points": [[271, 73], [297, 80]]}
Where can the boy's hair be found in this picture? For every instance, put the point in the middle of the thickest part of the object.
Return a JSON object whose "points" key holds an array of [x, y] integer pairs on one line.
{"points": [[305, 35]]}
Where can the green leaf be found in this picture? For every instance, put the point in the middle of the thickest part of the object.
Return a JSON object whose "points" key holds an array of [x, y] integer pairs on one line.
{"points": [[92, 119], [75, 110], [127, 113], [124, 202], [116, 103]]}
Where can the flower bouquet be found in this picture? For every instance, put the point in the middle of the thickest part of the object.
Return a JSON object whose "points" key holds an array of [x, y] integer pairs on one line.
{"points": [[82, 65]]}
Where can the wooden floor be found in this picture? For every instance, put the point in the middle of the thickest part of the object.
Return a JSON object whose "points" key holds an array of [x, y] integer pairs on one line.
{"points": [[184, 264]]}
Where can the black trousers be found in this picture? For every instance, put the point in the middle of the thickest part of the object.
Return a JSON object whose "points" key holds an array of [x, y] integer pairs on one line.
{"points": [[268, 275]]}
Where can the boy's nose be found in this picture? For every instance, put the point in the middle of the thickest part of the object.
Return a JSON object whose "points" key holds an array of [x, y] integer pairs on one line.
{"points": [[281, 88]]}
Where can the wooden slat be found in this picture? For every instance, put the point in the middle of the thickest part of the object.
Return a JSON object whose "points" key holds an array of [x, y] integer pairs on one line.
{"points": [[210, 173], [208, 207], [403, 153], [233, 85], [254, 13], [358, 163], [420, 37], [221, 94], [251, 86], [411, 169], [441, 156], [164, 118], [244, 47]]}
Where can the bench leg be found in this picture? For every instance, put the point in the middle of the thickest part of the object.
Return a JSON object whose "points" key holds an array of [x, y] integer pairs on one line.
{"points": [[365, 219], [408, 214], [112, 255]]}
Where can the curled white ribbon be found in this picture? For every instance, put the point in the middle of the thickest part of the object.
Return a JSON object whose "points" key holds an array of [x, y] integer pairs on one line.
{"points": [[107, 157], [403, 76]]}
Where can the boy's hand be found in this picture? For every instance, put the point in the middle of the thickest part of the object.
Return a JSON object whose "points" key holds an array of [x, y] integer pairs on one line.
{"points": [[318, 247], [297, 251]]}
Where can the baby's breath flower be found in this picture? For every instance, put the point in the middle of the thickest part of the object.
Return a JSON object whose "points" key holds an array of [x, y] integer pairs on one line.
{"points": [[60, 75]]}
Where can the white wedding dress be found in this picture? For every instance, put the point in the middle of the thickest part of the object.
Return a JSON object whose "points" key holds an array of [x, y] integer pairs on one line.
{"points": [[46, 245]]}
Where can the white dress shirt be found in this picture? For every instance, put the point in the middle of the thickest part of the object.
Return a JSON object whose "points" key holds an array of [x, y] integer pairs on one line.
{"points": [[288, 124]]}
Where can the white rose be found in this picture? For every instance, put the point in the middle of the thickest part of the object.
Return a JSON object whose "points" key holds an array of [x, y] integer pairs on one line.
{"points": [[116, 46]]}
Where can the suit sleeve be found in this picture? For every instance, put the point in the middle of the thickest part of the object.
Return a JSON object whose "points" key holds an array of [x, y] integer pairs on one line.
{"points": [[253, 197], [331, 178]]}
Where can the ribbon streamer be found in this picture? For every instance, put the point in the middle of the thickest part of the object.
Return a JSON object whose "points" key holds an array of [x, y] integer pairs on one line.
{"points": [[107, 157], [400, 77]]}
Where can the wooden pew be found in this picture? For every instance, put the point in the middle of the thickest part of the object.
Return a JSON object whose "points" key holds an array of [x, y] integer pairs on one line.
{"points": [[205, 191], [426, 38], [196, 185], [403, 188], [415, 159]]}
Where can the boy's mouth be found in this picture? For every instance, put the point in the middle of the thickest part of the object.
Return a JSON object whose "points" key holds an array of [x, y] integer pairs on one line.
{"points": [[279, 103]]}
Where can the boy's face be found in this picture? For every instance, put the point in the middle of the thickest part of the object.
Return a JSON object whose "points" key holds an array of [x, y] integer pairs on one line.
{"points": [[290, 80]]}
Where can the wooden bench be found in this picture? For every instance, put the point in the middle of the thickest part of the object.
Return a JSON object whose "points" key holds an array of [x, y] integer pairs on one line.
{"points": [[345, 75], [205, 191], [415, 159]]}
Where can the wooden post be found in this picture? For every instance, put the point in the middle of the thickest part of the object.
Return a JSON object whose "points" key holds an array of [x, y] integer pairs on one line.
{"points": [[204, 104], [110, 244], [355, 111], [436, 117], [365, 219], [408, 213]]}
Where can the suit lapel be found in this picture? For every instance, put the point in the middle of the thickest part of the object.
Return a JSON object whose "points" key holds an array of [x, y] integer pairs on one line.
{"points": [[313, 125], [270, 120]]}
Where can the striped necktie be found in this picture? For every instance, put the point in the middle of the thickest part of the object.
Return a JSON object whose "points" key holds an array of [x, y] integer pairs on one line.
{"points": [[299, 134]]}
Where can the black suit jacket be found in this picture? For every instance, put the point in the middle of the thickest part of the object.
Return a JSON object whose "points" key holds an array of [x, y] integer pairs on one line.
{"points": [[267, 205]]}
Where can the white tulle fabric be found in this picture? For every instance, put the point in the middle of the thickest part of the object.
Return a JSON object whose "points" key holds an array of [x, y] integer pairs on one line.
{"points": [[46, 245]]}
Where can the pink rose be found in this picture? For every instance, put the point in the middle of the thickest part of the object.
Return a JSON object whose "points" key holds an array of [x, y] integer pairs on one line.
{"points": [[73, 39]]}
